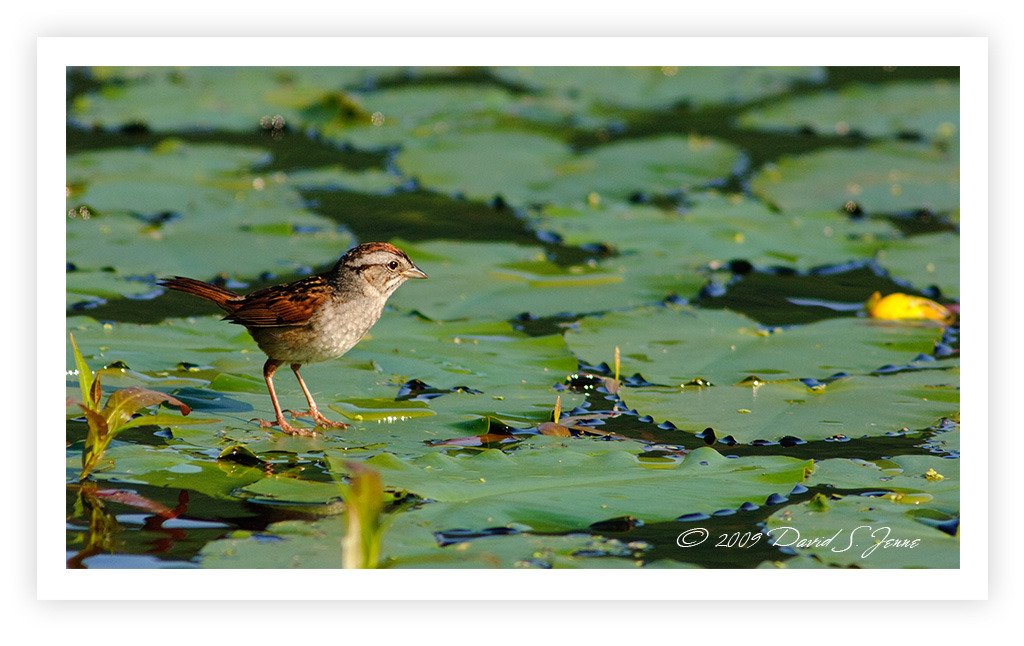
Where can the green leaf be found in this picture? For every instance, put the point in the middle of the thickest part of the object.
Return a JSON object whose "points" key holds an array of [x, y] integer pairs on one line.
{"points": [[467, 163], [881, 178], [501, 280], [858, 406], [925, 260], [214, 98], [866, 533], [382, 409], [654, 88], [160, 419], [902, 474], [534, 168], [217, 218], [408, 544], [85, 376], [929, 108], [364, 526], [122, 404], [674, 346], [714, 230], [570, 486]]}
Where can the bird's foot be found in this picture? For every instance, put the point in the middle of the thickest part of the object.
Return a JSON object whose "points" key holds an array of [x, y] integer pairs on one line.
{"points": [[286, 427], [319, 418]]}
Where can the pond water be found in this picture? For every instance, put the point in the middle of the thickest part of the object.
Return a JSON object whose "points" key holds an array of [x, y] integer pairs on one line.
{"points": [[717, 229]]}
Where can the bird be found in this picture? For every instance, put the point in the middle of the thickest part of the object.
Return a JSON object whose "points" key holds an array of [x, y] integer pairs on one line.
{"points": [[313, 319]]}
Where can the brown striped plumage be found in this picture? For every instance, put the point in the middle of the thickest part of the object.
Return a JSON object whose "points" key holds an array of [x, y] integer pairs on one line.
{"points": [[313, 319]]}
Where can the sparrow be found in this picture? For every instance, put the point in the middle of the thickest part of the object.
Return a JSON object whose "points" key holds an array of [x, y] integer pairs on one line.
{"points": [[314, 319]]}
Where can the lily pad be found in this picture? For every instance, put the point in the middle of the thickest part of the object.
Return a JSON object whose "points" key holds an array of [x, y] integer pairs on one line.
{"points": [[514, 373], [660, 87], [937, 477], [471, 164], [224, 98], [930, 109], [504, 280], [404, 115], [881, 178], [715, 230], [408, 544], [866, 532], [191, 210], [673, 346], [536, 169], [925, 260], [382, 409], [581, 483], [854, 407]]}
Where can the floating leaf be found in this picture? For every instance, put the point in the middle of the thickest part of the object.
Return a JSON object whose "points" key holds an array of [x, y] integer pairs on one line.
{"points": [[852, 408], [672, 346], [505, 280], [223, 98], [925, 260], [661, 87], [716, 229], [930, 109], [533, 168], [227, 221], [881, 178], [581, 483]]}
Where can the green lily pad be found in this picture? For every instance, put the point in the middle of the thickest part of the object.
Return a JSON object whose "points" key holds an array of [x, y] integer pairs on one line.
{"points": [[161, 347], [854, 407], [514, 373], [382, 409], [937, 478], [945, 441], [532, 168], [656, 165], [715, 230], [293, 490], [501, 280], [655, 88], [929, 108], [172, 467], [485, 164], [881, 178], [84, 286], [406, 115], [372, 181], [580, 483], [191, 210], [866, 532], [930, 259], [673, 346], [408, 544], [223, 98]]}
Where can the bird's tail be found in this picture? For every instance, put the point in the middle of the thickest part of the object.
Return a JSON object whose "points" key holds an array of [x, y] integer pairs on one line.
{"points": [[225, 298]]}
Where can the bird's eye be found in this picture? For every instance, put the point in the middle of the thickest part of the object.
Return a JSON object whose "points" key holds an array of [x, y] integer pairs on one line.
{"points": [[393, 265]]}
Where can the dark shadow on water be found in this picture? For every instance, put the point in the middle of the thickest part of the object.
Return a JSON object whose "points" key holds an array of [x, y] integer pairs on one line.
{"points": [[418, 215], [783, 296], [289, 151]]}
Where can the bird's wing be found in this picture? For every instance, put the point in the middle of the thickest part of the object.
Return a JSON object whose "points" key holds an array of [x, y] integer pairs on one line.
{"points": [[282, 305]]}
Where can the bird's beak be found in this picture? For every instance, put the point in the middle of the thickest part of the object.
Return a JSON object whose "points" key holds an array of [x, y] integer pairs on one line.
{"points": [[414, 272]]}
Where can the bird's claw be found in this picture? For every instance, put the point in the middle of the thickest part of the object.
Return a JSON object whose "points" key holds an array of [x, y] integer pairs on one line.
{"points": [[319, 418], [286, 427]]}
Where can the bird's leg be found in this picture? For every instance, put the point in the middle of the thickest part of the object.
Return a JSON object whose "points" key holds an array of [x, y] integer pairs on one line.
{"points": [[269, 368], [313, 412]]}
